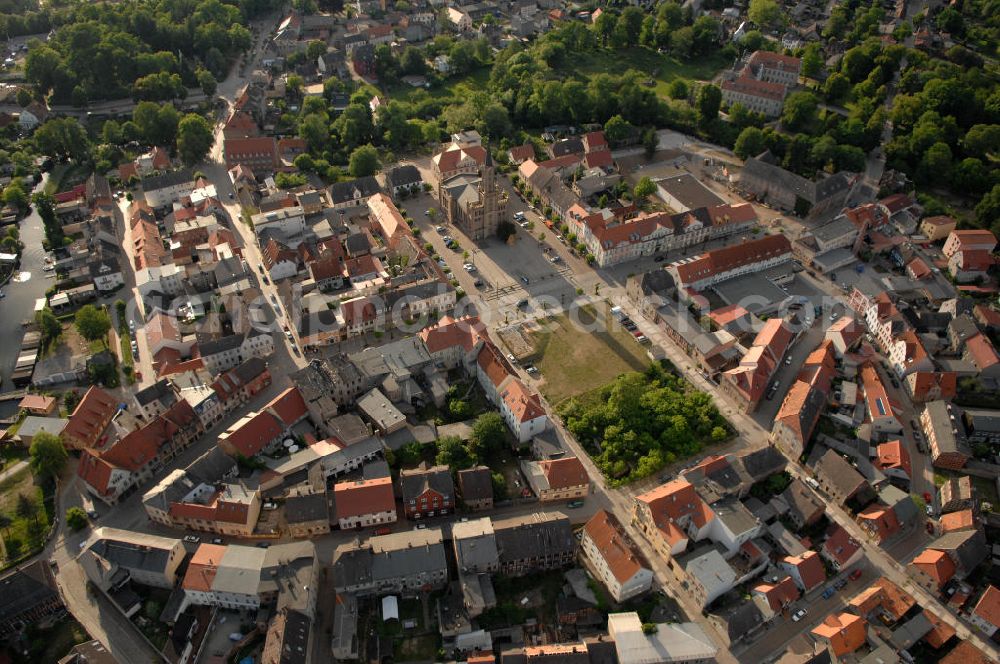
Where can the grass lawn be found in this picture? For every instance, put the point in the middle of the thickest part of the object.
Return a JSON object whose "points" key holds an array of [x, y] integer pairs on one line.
{"points": [[661, 67], [986, 490], [566, 355], [417, 649], [454, 87], [26, 532]]}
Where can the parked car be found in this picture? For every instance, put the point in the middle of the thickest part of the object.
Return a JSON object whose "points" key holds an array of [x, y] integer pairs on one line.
{"points": [[192, 539], [840, 583], [216, 540], [574, 504], [828, 593], [799, 615], [384, 530], [855, 575]]}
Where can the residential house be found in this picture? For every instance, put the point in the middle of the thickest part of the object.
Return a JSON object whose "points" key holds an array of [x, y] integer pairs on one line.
{"points": [[924, 386], [403, 180], [774, 598], [844, 633], [674, 642], [748, 381], [162, 190], [841, 550], [956, 494], [671, 515], [893, 459], [258, 153], [969, 240], [32, 115], [618, 564], [534, 543], [353, 193], [557, 479], [945, 435], [90, 419], [112, 557], [307, 512], [363, 503], [427, 492], [409, 561], [719, 265], [936, 228], [30, 597], [804, 507], [841, 481], [475, 487], [806, 570], [986, 614]]}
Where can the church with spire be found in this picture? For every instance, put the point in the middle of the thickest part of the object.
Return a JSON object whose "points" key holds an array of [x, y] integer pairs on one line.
{"points": [[475, 202]]}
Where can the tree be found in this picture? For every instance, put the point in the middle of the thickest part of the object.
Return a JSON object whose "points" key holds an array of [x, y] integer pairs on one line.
{"points": [[49, 325], [76, 518], [812, 60], [194, 138], [764, 13], [800, 111], [650, 141], [6, 522], [678, 89], [63, 138], [708, 104], [643, 189], [499, 483], [206, 81], [488, 434], [14, 194], [750, 143], [617, 129], [47, 455], [315, 49], [452, 453], [364, 161], [459, 409], [315, 130], [26, 507], [92, 323], [157, 123], [988, 209]]}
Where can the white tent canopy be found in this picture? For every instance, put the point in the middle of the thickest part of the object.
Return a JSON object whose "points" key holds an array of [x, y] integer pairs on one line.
{"points": [[390, 608]]}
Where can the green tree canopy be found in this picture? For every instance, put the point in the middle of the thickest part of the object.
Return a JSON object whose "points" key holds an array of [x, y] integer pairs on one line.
{"points": [[364, 161], [489, 433], [194, 138], [76, 518], [92, 323], [47, 456]]}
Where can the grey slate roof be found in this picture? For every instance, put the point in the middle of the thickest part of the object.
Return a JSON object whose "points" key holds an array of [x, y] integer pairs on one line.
{"points": [[169, 179], [533, 535], [131, 555], [352, 566], [158, 391], [407, 554], [25, 588], [839, 473], [475, 483], [307, 507], [763, 167], [762, 463], [221, 345], [249, 369], [341, 192], [416, 481], [967, 547], [403, 175]]}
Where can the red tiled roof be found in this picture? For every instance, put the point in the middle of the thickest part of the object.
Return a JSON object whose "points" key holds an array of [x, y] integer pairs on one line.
{"points": [[203, 567], [354, 499], [723, 316], [893, 454], [779, 595], [845, 632], [595, 139], [988, 607], [840, 545], [448, 333], [359, 311], [37, 402], [237, 149], [255, 434], [609, 539], [772, 59], [810, 568], [598, 159], [748, 85], [983, 354], [564, 473], [289, 406], [961, 520], [524, 404], [675, 501], [922, 382], [728, 258], [941, 632], [494, 365], [522, 153], [240, 123], [936, 564], [448, 160], [91, 416], [94, 471], [966, 653], [361, 265], [896, 203], [881, 519]]}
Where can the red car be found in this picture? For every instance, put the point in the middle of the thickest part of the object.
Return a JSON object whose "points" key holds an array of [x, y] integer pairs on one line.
{"points": [[855, 575], [385, 530], [927, 497]]}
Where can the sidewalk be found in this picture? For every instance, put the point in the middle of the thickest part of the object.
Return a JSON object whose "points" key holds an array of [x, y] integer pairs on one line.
{"points": [[13, 470]]}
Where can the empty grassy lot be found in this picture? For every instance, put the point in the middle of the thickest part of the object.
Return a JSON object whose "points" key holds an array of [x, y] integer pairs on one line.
{"points": [[574, 360]]}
